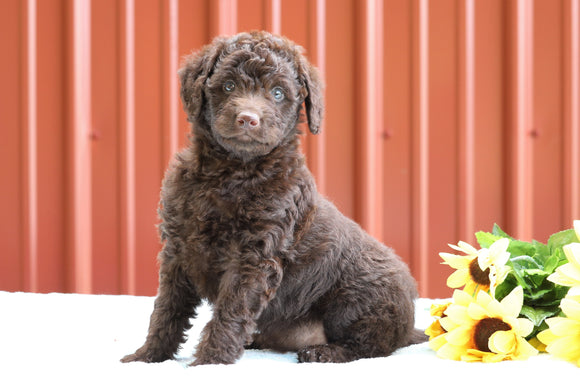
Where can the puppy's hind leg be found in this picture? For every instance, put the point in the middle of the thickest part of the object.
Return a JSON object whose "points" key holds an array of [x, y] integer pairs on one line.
{"points": [[354, 333], [174, 306], [367, 337]]}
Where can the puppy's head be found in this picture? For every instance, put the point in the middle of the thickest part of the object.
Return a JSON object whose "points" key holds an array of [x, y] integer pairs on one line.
{"points": [[246, 92]]}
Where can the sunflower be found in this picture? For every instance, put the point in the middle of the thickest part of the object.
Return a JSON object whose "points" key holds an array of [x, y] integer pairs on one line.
{"points": [[569, 273], [435, 329], [484, 329], [562, 339], [476, 268]]}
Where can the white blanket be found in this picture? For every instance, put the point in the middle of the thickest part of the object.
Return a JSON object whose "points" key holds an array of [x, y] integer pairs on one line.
{"points": [[77, 340]]}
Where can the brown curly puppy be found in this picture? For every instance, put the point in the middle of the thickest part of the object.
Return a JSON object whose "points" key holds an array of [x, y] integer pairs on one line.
{"points": [[244, 227]]}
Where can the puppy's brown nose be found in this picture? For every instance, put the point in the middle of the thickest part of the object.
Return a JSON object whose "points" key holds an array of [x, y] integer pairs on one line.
{"points": [[248, 120]]}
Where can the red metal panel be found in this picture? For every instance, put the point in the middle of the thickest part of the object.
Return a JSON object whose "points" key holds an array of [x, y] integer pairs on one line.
{"points": [[369, 110], [420, 144], [488, 111], [546, 128], [30, 143], [11, 167], [519, 183], [439, 121], [78, 146], [341, 121], [396, 137], [50, 146], [571, 111]]}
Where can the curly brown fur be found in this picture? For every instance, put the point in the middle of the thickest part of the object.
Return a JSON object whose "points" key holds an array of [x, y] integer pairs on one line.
{"points": [[244, 227]]}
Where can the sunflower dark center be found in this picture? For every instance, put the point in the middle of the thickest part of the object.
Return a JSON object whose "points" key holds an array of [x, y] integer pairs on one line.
{"points": [[479, 276], [484, 329]]}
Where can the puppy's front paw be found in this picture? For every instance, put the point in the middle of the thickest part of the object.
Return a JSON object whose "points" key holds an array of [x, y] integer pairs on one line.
{"points": [[145, 356], [131, 358], [205, 360]]}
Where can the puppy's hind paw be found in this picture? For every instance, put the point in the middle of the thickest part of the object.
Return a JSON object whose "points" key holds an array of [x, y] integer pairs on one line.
{"points": [[325, 353], [131, 358]]}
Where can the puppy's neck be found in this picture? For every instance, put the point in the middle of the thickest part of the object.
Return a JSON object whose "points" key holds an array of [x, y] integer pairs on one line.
{"points": [[213, 160]]}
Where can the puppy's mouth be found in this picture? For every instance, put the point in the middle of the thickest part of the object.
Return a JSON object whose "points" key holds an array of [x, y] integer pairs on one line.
{"points": [[244, 138]]}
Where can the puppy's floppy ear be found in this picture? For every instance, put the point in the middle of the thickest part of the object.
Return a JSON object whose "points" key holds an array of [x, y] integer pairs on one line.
{"points": [[314, 98], [195, 70]]}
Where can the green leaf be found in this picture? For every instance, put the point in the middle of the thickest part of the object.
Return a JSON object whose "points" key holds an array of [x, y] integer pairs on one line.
{"points": [[551, 263], [538, 315], [536, 295], [486, 239], [505, 287], [497, 231], [518, 248], [541, 248], [561, 239], [525, 262]]}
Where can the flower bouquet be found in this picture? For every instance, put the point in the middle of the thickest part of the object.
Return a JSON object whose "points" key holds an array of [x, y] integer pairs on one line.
{"points": [[518, 298]]}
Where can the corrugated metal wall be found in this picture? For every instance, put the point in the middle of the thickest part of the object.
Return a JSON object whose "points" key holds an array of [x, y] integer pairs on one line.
{"points": [[442, 118]]}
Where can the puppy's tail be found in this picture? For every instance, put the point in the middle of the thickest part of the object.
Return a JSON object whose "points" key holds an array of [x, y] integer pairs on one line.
{"points": [[417, 336]]}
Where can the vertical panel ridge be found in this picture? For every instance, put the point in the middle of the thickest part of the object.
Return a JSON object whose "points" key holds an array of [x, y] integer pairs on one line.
{"points": [[30, 234], [128, 178], [80, 147], [467, 131], [522, 199], [224, 17], [317, 45], [170, 65], [421, 151], [572, 180], [370, 107], [273, 16]]}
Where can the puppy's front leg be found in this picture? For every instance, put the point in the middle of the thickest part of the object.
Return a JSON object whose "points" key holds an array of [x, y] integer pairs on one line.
{"points": [[245, 291], [174, 306]]}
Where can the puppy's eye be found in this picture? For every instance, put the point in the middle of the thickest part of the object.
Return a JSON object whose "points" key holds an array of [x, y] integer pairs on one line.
{"points": [[277, 93], [229, 86]]}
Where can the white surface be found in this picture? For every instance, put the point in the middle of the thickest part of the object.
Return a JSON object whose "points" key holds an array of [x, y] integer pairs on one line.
{"points": [[77, 340]]}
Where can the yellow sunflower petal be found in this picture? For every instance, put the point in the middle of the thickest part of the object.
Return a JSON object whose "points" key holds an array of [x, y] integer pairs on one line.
{"points": [[566, 327], [455, 261], [571, 308], [477, 312], [561, 348], [437, 310], [458, 279], [483, 299], [499, 247], [467, 248], [437, 342], [512, 303], [450, 351], [473, 355], [547, 336], [502, 342], [448, 324], [523, 326], [559, 278], [459, 336], [572, 252], [457, 314], [434, 330], [461, 298], [525, 349]]}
